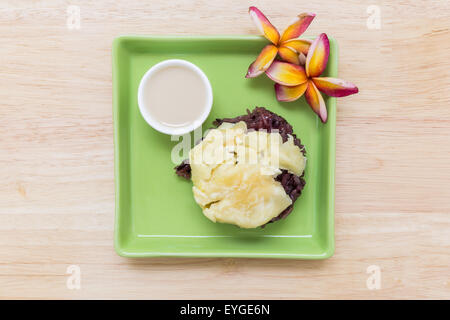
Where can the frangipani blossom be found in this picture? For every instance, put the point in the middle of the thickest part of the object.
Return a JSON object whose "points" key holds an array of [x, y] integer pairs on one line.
{"points": [[292, 81], [288, 47]]}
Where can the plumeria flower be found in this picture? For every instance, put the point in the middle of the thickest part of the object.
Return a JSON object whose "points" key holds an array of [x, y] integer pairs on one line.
{"points": [[292, 81], [288, 47]]}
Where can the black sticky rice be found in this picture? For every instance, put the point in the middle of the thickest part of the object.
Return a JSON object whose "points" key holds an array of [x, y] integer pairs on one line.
{"points": [[263, 119]]}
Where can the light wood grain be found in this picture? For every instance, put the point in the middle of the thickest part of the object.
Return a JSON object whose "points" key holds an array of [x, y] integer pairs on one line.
{"points": [[56, 153]]}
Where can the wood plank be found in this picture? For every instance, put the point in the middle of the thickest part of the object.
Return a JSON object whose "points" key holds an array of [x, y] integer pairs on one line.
{"points": [[56, 159]]}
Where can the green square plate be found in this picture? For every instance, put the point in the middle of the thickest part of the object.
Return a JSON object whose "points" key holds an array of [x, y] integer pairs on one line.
{"points": [[156, 214]]}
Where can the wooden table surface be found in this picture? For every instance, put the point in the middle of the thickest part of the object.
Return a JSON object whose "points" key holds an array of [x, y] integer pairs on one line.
{"points": [[56, 153]]}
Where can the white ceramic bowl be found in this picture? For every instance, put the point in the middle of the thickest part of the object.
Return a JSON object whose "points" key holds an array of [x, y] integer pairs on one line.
{"points": [[154, 122]]}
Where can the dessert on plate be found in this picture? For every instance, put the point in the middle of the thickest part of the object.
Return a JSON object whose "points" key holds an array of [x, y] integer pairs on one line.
{"points": [[248, 170]]}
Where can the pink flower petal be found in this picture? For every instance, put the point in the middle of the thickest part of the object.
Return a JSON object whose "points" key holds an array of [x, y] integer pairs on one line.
{"points": [[263, 61], [335, 87], [299, 45], [288, 94], [315, 100], [317, 58], [287, 74], [299, 26], [264, 25], [288, 55]]}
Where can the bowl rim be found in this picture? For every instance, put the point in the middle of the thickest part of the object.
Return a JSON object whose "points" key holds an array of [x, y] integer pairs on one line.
{"points": [[157, 125]]}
